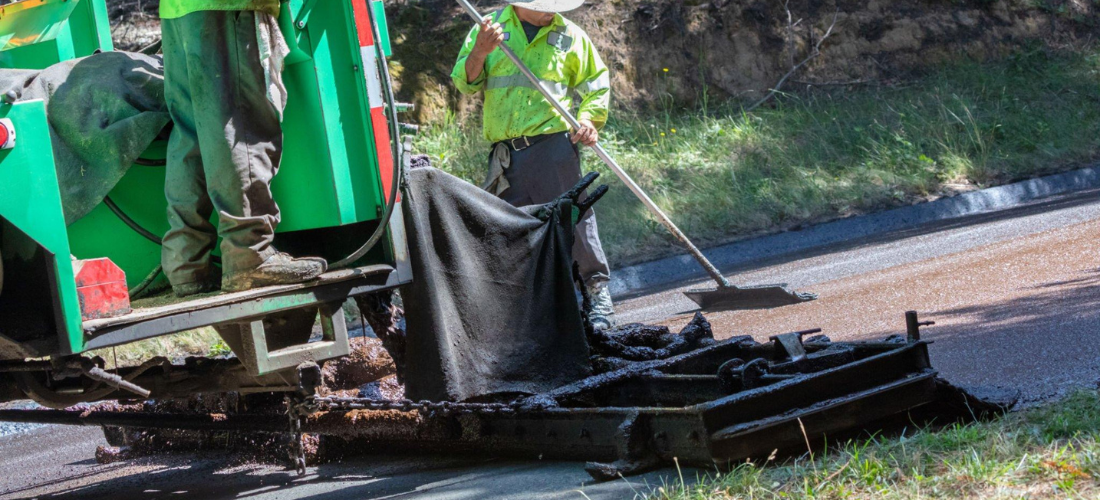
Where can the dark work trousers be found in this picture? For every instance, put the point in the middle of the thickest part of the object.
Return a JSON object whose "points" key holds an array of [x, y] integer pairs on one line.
{"points": [[540, 174], [225, 147]]}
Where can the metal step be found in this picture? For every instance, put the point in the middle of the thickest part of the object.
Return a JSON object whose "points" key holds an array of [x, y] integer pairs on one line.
{"points": [[336, 286]]}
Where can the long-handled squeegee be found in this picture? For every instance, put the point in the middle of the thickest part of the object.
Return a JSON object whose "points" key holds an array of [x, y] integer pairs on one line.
{"points": [[724, 298]]}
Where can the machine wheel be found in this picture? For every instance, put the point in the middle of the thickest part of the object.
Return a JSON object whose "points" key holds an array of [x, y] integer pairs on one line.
{"points": [[32, 386]]}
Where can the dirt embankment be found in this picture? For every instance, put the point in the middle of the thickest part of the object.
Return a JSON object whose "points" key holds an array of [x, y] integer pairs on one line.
{"points": [[719, 48], [741, 48]]}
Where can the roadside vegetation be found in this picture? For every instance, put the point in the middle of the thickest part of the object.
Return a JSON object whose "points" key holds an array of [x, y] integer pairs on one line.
{"points": [[203, 342], [1047, 452], [826, 152]]}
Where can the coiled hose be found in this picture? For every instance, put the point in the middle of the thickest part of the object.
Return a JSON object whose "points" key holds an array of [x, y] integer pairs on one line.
{"points": [[395, 146]]}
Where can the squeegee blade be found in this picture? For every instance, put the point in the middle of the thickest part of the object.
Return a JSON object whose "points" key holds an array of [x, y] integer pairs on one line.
{"points": [[736, 298]]}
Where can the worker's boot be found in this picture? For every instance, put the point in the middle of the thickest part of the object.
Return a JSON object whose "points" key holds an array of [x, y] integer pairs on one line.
{"points": [[189, 289], [601, 312], [279, 269], [211, 282]]}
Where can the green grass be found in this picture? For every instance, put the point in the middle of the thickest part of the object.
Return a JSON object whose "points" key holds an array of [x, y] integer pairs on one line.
{"points": [[814, 156], [1048, 452], [201, 342]]}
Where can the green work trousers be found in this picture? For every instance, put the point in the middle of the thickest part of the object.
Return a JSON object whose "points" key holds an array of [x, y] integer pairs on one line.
{"points": [[224, 149]]}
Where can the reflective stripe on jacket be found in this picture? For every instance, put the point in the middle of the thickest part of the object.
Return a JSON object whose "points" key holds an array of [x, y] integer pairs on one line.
{"points": [[174, 9], [561, 55]]}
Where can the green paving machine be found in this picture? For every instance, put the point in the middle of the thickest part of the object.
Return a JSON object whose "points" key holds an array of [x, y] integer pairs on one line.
{"points": [[66, 289], [71, 291]]}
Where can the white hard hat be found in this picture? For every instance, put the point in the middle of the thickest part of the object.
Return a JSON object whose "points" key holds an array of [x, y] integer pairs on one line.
{"points": [[548, 5]]}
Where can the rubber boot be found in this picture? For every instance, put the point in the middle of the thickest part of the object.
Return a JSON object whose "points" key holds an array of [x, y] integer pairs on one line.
{"points": [[188, 289], [279, 269], [601, 311]]}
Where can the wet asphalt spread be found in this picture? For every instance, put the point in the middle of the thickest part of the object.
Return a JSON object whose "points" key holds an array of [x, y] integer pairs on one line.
{"points": [[1014, 294]]}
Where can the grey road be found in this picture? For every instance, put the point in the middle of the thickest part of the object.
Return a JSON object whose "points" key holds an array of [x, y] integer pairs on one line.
{"points": [[58, 462], [1014, 294]]}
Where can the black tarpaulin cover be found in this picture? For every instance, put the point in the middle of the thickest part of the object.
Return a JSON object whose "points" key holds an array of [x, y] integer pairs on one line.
{"points": [[492, 309]]}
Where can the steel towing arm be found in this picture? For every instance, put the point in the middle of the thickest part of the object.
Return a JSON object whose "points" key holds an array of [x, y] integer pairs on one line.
{"points": [[716, 405]]}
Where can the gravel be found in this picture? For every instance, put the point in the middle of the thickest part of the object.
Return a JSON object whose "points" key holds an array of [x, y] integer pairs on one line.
{"points": [[10, 428]]}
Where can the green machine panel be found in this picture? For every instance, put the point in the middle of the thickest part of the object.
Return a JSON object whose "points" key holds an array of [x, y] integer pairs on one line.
{"points": [[139, 194], [330, 173], [33, 230], [329, 177]]}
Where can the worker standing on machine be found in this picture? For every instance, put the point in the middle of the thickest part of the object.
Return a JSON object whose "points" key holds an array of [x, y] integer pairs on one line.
{"points": [[534, 157], [223, 85]]}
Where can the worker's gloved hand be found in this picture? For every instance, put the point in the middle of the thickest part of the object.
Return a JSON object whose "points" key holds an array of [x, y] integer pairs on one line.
{"points": [[587, 135], [489, 37], [573, 196], [584, 206]]}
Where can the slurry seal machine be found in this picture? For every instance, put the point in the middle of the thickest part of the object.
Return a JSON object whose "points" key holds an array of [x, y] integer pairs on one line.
{"points": [[69, 291], [67, 288]]}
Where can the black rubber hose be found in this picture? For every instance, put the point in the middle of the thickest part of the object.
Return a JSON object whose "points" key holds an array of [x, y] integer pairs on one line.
{"points": [[395, 134], [144, 285], [131, 222], [150, 163], [141, 230], [138, 291]]}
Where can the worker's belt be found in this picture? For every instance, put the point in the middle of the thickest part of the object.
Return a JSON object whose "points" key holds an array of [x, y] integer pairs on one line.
{"points": [[524, 142]]}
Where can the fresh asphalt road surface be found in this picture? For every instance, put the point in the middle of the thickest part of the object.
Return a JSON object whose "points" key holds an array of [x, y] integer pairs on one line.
{"points": [[1014, 295]]}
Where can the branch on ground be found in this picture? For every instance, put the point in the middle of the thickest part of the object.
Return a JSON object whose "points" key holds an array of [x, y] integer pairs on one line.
{"points": [[816, 51]]}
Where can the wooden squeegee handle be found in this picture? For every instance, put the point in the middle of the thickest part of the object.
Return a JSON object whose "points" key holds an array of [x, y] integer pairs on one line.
{"points": [[607, 159]]}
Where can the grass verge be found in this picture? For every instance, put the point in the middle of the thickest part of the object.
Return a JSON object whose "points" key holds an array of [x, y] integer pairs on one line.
{"points": [[202, 342], [1047, 452], [818, 155]]}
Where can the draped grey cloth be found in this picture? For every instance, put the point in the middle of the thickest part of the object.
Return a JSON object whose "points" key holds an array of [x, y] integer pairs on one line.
{"points": [[103, 111]]}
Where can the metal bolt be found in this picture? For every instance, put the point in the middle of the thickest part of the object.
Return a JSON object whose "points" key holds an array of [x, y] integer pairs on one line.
{"points": [[301, 25], [913, 324]]}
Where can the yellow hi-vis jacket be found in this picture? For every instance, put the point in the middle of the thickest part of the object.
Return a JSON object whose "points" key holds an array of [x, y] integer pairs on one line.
{"points": [[561, 55]]}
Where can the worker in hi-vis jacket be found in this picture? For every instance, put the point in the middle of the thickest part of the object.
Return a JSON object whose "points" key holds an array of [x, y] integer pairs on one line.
{"points": [[535, 156], [223, 61]]}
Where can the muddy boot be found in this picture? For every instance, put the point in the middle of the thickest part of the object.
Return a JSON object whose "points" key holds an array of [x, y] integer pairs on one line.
{"points": [[210, 283], [279, 269], [188, 289], [601, 312]]}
